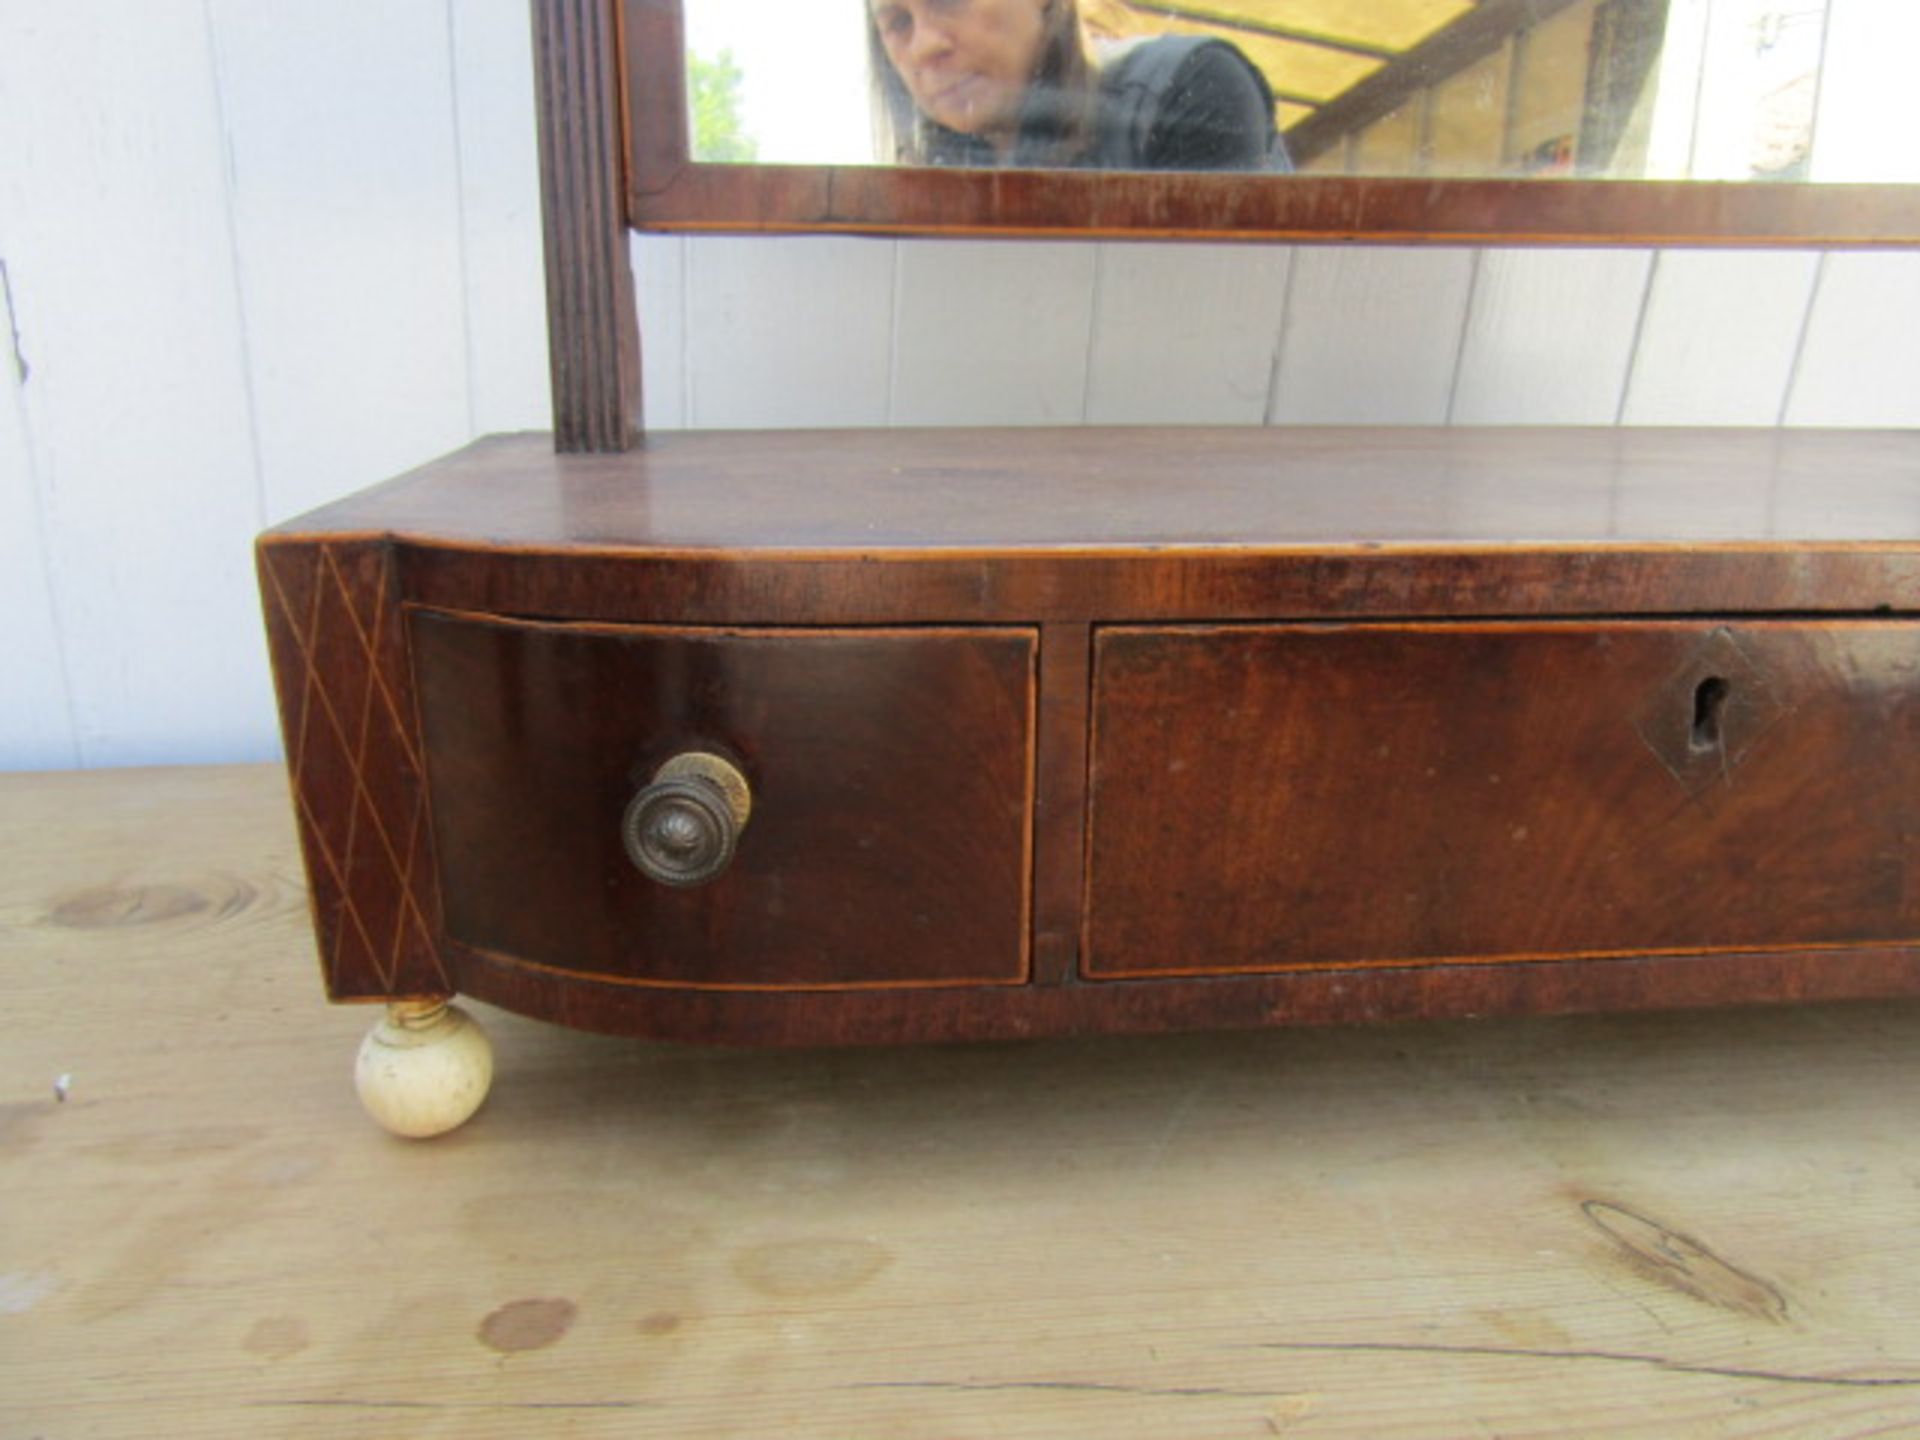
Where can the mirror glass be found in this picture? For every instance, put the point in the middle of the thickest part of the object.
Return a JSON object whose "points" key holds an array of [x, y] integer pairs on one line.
{"points": [[1770, 90]]}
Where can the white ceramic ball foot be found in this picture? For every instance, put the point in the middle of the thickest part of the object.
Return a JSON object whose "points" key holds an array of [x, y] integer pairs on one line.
{"points": [[424, 1068]]}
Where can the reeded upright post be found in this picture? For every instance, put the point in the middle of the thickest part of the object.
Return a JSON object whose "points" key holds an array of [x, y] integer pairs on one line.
{"points": [[593, 330]]}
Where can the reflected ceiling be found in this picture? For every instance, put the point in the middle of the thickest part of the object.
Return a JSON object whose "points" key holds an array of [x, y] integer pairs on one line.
{"points": [[1313, 52]]}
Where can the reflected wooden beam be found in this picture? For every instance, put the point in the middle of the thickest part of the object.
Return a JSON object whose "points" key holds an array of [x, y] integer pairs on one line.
{"points": [[1473, 36], [1623, 57], [1246, 25]]}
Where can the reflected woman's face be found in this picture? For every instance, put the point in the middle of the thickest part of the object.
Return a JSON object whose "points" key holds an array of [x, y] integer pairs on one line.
{"points": [[966, 63]]}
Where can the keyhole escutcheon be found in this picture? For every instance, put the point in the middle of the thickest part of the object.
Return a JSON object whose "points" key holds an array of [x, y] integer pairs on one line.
{"points": [[1709, 706]]}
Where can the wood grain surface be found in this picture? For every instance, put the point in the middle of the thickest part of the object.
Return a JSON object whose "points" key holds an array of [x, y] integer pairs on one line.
{"points": [[890, 841], [1025, 526], [1687, 1224], [1788, 882], [1076, 204], [1067, 489], [1268, 797], [345, 688]]}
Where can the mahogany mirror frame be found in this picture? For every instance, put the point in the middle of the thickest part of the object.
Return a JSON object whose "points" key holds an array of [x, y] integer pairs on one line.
{"points": [[666, 190], [611, 97]]}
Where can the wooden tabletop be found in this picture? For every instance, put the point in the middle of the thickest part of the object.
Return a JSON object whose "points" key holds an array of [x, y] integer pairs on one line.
{"points": [[1094, 489], [1691, 1224]]}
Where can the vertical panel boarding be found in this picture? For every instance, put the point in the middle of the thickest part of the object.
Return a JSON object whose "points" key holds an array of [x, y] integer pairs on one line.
{"points": [[134, 409], [1860, 363], [660, 277], [1372, 336], [788, 333], [499, 172], [346, 222], [992, 333], [1550, 337], [36, 719], [1184, 334], [1720, 337]]}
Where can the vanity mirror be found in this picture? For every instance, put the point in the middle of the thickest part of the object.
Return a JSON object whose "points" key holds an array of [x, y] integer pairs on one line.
{"points": [[888, 735], [1667, 121]]}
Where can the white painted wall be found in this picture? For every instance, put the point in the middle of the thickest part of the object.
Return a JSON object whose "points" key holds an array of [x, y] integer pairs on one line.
{"points": [[259, 256]]}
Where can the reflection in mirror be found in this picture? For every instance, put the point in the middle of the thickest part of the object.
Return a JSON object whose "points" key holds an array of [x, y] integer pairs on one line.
{"points": [[1613, 89]]}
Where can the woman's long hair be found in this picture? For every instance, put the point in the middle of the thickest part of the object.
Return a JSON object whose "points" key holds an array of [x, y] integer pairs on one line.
{"points": [[1057, 117]]}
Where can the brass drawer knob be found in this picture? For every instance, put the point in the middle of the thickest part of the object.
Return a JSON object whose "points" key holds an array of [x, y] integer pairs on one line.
{"points": [[682, 828]]}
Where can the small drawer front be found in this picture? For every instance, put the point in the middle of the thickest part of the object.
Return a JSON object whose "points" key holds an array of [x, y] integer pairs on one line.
{"points": [[888, 838], [1275, 797]]}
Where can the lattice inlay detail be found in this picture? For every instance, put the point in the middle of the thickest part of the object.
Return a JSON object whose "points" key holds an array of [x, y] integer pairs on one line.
{"points": [[339, 657]]}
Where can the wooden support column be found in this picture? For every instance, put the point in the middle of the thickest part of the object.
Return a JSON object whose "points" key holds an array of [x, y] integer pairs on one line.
{"points": [[593, 329]]}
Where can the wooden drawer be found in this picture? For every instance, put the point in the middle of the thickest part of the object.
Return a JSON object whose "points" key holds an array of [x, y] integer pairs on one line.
{"points": [[892, 774], [1274, 797]]}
